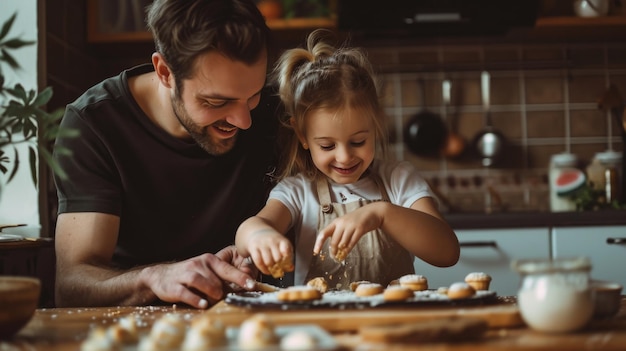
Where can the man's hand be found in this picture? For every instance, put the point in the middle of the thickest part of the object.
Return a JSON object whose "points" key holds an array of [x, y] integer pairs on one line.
{"points": [[199, 281]]}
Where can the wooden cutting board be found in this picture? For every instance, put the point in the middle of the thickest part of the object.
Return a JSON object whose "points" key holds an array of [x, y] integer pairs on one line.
{"points": [[502, 314]]}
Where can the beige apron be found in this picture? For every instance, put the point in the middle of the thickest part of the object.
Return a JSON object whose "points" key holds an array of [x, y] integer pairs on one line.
{"points": [[377, 257]]}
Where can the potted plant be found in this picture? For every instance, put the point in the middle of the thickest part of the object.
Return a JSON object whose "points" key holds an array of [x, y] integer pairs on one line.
{"points": [[23, 117]]}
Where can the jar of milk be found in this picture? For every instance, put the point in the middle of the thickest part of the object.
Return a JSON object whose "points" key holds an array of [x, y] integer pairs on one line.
{"points": [[555, 295]]}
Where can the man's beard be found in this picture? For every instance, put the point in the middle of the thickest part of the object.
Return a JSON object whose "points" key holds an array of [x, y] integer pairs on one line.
{"points": [[201, 135]]}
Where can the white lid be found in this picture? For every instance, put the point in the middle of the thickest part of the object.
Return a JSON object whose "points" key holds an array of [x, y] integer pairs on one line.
{"points": [[563, 264], [609, 156], [564, 159]]}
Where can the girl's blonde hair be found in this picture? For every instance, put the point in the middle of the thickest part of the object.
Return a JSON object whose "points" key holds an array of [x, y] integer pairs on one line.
{"points": [[322, 76]]}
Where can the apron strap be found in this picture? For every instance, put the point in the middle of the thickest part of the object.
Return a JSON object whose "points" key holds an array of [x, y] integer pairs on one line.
{"points": [[379, 183], [323, 192]]}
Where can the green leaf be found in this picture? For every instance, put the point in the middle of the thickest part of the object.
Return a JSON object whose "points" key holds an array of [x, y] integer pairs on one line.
{"points": [[32, 159], [56, 168], [62, 150], [6, 27], [16, 43], [8, 58], [43, 97], [19, 92], [16, 164]]}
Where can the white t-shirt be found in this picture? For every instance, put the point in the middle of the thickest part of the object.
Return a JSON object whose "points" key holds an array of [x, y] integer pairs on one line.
{"points": [[402, 182]]}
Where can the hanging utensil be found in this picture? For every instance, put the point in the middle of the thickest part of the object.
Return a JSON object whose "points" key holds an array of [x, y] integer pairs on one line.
{"points": [[489, 142], [455, 143], [425, 133]]}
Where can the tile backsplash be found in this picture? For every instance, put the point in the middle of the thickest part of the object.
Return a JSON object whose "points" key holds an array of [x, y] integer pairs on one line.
{"points": [[544, 100]]}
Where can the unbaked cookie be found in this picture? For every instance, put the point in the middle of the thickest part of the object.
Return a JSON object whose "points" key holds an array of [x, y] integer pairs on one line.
{"points": [[414, 282], [460, 290], [265, 287], [478, 280], [355, 285], [299, 293], [368, 289], [397, 293]]}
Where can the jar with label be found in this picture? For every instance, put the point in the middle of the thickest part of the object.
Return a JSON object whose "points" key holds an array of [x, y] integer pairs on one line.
{"points": [[604, 174], [555, 295], [565, 179]]}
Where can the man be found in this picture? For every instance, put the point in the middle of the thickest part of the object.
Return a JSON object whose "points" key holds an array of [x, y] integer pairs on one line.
{"points": [[172, 157]]}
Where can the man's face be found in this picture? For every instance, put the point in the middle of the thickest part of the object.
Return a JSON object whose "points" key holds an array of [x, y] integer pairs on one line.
{"points": [[215, 103]]}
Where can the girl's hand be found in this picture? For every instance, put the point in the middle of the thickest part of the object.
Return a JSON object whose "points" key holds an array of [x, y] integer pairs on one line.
{"points": [[345, 231], [271, 252]]}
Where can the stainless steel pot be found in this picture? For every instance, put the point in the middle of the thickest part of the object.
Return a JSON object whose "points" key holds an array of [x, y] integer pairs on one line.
{"points": [[489, 142]]}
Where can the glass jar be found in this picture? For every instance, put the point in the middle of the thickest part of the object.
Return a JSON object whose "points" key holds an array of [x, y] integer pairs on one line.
{"points": [[555, 295], [565, 179]]}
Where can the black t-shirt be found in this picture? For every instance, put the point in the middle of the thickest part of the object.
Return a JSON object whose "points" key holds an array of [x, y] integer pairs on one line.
{"points": [[175, 200]]}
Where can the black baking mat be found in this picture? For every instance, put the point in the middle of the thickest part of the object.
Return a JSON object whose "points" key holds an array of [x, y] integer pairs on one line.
{"points": [[348, 300]]}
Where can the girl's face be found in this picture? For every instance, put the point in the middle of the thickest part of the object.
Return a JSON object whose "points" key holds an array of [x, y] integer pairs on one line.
{"points": [[342, 145]]}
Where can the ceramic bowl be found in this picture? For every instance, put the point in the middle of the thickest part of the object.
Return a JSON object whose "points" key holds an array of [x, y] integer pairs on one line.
{"points": [[607, 298], [19, 297]]}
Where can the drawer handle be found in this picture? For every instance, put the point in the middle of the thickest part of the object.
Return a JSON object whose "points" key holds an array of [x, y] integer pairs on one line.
{"points": [[478, 244], [616, 241]]}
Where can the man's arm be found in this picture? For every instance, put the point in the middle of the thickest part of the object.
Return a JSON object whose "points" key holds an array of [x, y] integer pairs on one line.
{"points": [[85, 243]]}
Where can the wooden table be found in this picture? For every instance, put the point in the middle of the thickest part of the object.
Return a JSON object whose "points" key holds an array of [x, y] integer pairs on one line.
{"points": [[65, 328]]}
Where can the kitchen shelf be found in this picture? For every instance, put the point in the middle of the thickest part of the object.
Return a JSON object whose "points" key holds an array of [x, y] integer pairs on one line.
{"points": [[95, 36], [302, 23], [571, 21]]}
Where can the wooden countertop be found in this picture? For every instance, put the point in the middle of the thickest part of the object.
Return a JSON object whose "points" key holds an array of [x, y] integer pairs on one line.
{"points": [[65, 328]]}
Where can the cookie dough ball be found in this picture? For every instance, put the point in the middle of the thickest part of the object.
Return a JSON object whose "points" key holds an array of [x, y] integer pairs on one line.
{"points": [[460, 290], [124, 331], [414, 282], [341, 254], [478, 280], [298, 340], [318, 283], [99, 340], [168, 332], [204, 333], [278, 269], [257, 332]]}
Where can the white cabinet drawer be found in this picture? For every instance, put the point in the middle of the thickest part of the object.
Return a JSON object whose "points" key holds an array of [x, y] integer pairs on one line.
{"points": [[490, 251], [605, 246]]}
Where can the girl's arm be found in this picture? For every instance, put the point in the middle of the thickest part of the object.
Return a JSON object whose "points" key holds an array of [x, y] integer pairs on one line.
{"points": [[262, 238], [420, 229]]}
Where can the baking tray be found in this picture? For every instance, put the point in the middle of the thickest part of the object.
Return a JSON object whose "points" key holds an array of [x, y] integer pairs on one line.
{"points": [[345, 299]]}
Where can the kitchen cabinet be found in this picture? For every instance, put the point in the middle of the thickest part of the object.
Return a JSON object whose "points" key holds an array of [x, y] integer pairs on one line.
{"points": [[123, 21], [604, 245], [490, 251], [573, 28]]}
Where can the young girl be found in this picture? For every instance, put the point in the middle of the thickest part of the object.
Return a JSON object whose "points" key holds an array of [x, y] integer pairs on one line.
{"points": [[377, 215]]}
